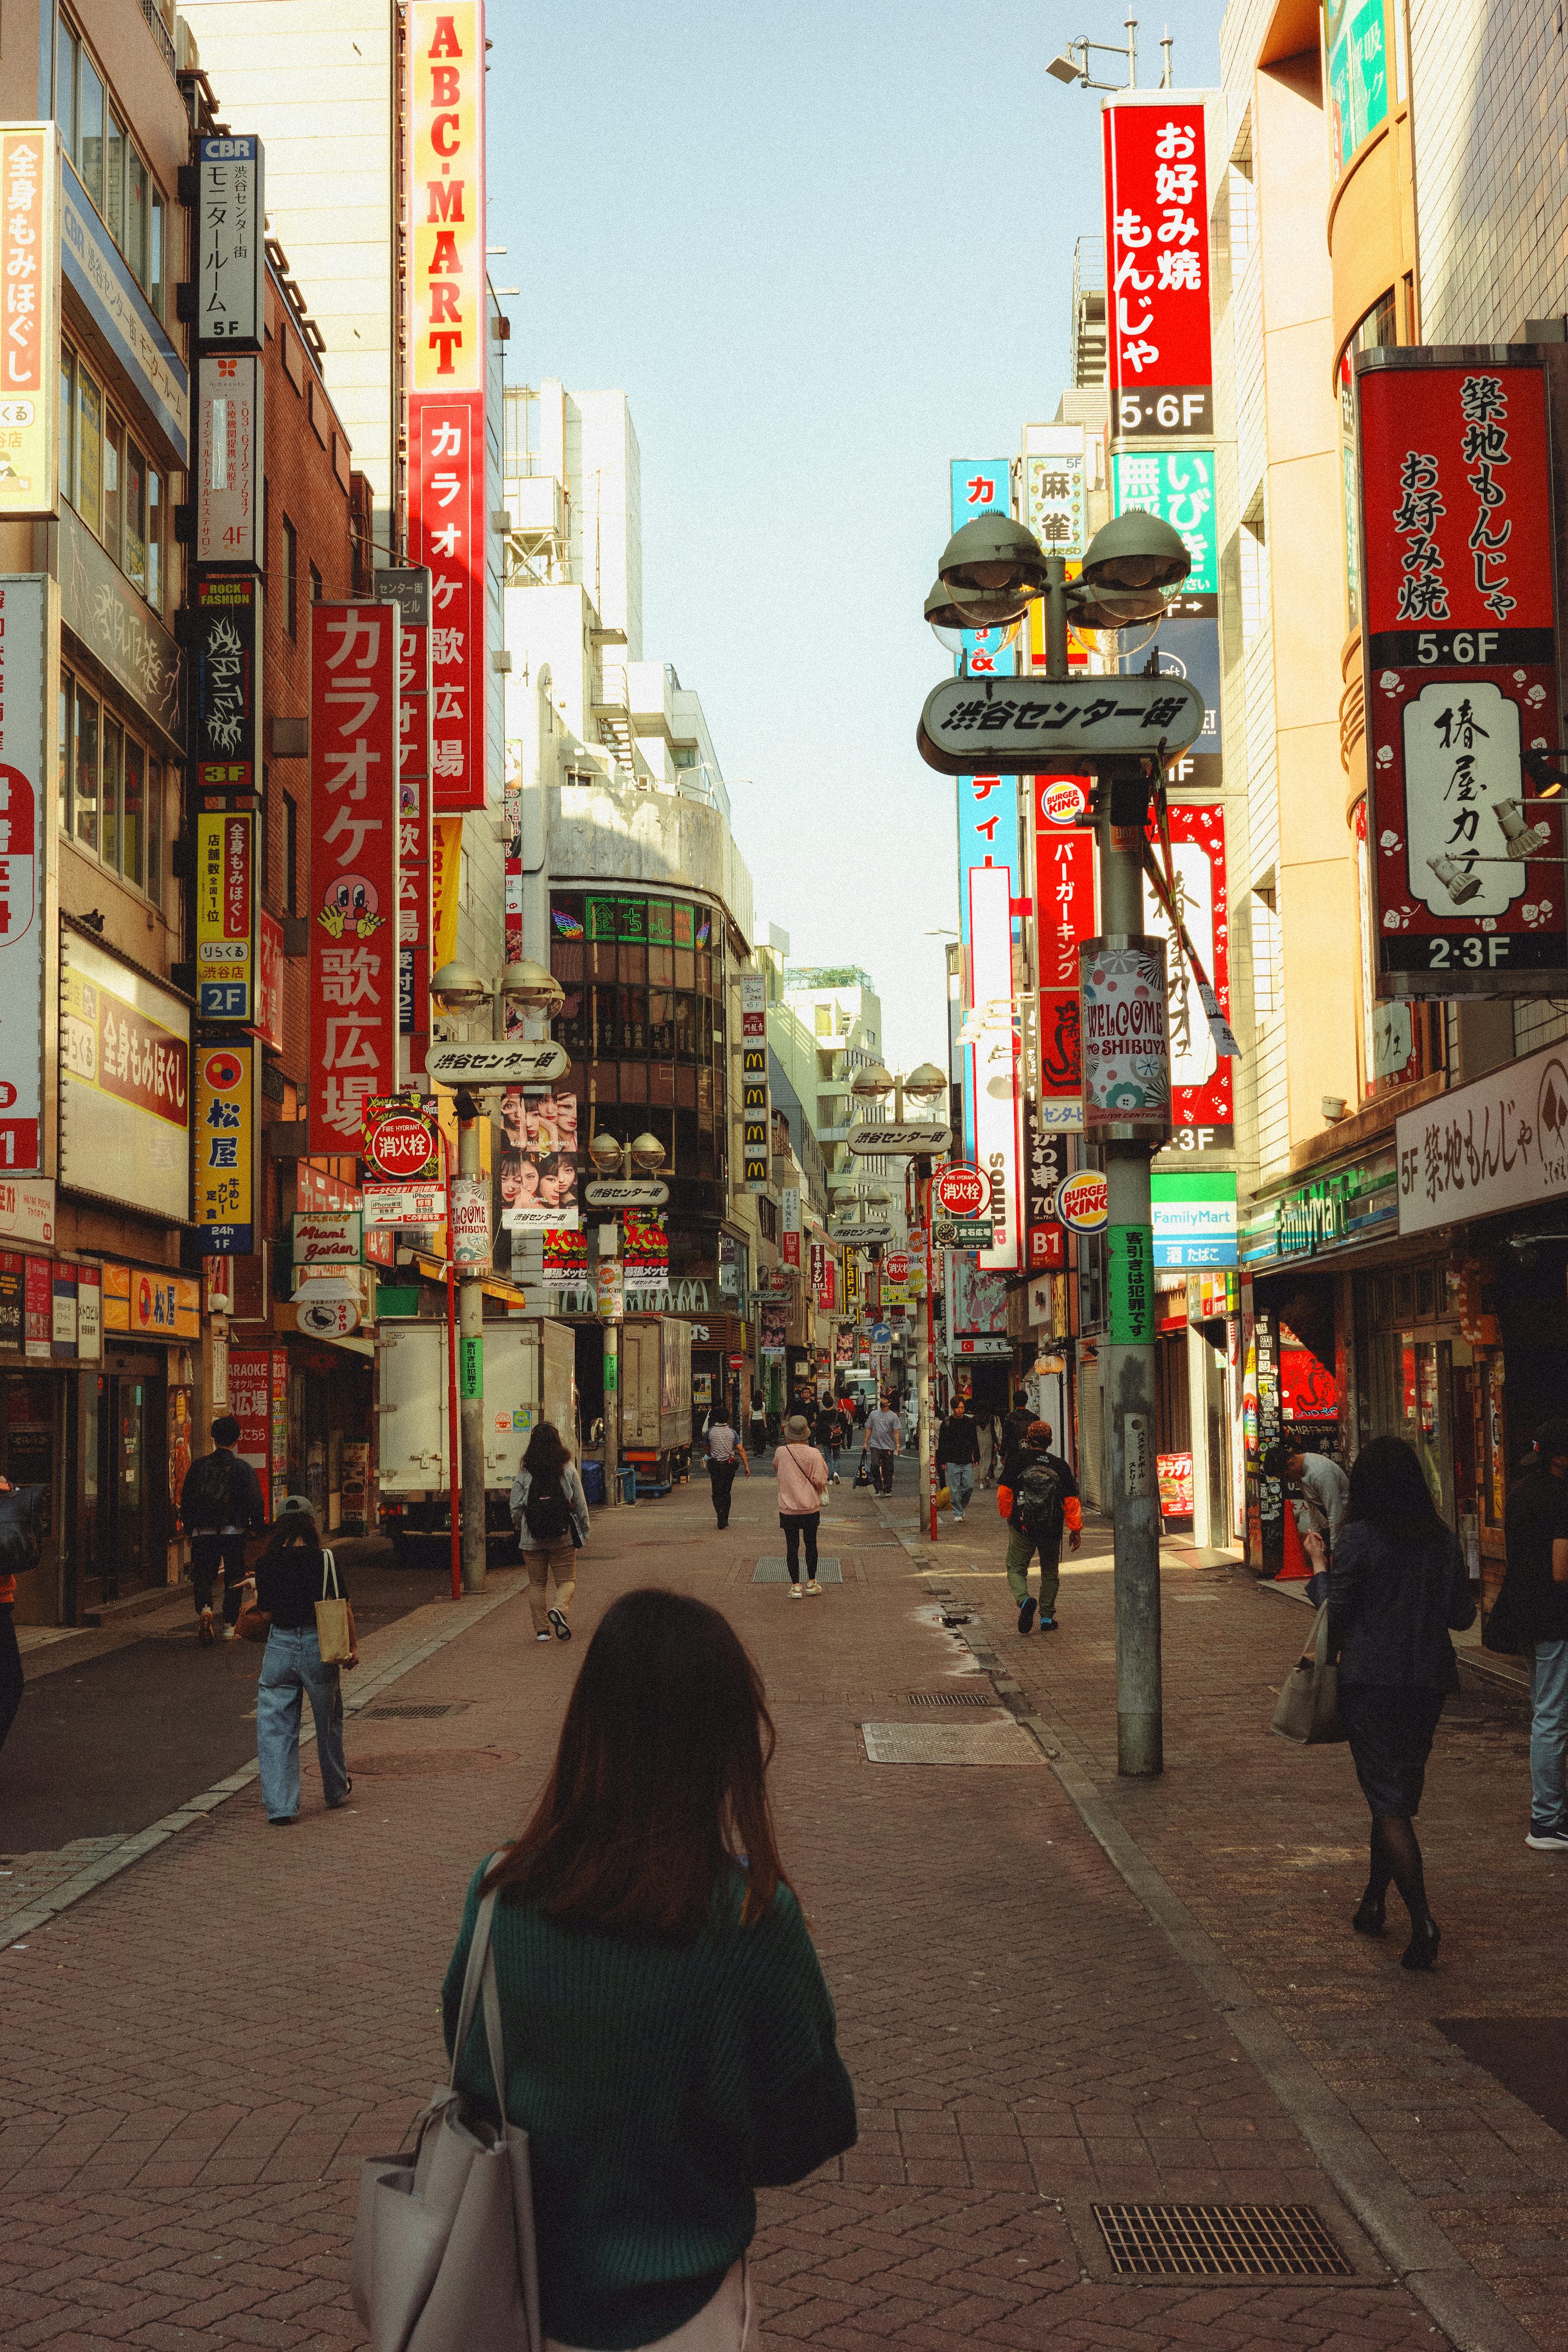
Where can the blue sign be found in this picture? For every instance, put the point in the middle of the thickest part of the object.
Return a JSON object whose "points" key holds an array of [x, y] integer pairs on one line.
{"points": [[1190, 649], [1195, 1219], [979, 486], [881, 1334], [122, 314]]}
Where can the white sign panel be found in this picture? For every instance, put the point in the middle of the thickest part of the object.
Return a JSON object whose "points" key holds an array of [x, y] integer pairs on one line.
{"points": [[229, 458], [1463, 779], [1500, 1144], [229, 229], [327, 1237], [27, 1210], [24, 838], [125, 1048]]}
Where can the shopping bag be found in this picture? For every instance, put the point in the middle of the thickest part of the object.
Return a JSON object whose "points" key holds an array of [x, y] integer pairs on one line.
{"points": [[334, 1626], [444, 2251], [1308, 1706], [862, 1476]]}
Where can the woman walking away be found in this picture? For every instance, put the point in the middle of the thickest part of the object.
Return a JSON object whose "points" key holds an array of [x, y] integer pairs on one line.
{"points": [[669, 2040], [292, 1574], [802, 1474], [759, 1423], [724, 1450], [1397, 1583], [550, 1512]]}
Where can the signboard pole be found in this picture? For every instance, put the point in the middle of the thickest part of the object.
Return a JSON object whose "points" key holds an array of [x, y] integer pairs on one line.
{"points": [[471, 1353], [452, 1480]]}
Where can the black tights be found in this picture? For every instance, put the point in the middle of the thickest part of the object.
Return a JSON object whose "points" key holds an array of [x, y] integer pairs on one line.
{"points": [[1396, 1854]]}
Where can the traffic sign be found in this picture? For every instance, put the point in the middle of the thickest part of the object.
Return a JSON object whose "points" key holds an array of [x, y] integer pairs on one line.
{"points": [[881, 1333], [514, 1063], [737, 1363], [962, 1191], [1028, 726], [401, 1144], [626, 1192], [1083, 1202], [865, 1138]]}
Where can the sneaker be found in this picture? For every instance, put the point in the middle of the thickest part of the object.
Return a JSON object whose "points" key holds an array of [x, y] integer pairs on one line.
{"points": [[1047, 1624], [813, 1586], [205, 1633], [1026, 1613], [793, 1590], [1548, 1840], [958, 1518], [545, 1636], [229, 1632], [558, 1618]]}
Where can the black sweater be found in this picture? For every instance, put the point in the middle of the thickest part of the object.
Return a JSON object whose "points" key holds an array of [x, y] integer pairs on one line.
{"points": [[1392, 1603]]}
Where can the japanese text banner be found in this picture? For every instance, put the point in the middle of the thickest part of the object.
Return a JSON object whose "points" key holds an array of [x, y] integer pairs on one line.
{"points": [[1157, 266], [447, 532], [355, 651]]}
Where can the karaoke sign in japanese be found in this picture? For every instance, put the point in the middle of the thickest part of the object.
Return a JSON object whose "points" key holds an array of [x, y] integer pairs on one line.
{"points": [[1157, 261], [445, 57], [354, 654], [1465, 859]]}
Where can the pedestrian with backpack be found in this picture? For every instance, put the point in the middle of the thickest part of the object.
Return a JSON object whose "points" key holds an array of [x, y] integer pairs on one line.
{"points": [[1038, 1496], [220, 1503], [550, 1512]]}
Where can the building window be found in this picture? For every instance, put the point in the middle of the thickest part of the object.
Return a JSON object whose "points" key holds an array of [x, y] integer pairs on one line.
{"points": [[111, 791], [111, 485], [114, 173], [315, 585], [290, 579], [290, 856]]}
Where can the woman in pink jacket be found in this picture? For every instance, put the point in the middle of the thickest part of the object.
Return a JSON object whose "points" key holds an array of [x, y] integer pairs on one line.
{"points": [[802, 1474]]}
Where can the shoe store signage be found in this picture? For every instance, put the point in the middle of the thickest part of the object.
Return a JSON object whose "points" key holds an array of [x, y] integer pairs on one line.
{"points": [[1460, 692]]}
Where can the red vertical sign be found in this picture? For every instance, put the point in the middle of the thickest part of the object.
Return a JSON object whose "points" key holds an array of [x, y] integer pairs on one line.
{"points": [[1064, 914], [354, 866], [1157, 270], [413, 904]]}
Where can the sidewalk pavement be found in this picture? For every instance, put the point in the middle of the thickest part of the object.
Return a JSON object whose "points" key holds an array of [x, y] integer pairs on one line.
{"points": [[196, 2053]]}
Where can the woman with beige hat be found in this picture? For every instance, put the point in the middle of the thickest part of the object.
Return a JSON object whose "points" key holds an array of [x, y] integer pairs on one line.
{"points": [[802, 1474]]}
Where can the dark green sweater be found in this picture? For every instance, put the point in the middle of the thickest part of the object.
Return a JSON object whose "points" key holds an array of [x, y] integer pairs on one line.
{"points": [[659, 2085]]}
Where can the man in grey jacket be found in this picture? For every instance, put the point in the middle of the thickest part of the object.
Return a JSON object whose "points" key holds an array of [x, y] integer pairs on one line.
{"points": [[550, 1512]]}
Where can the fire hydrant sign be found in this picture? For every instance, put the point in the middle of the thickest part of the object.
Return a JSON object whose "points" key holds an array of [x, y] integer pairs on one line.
{"points": [[1459, 681]]}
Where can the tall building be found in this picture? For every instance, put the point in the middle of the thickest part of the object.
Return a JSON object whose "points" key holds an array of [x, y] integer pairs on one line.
{"points": [[840, 1013]]}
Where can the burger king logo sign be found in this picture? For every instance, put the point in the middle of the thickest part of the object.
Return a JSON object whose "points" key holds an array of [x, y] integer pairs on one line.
{"points": [[1083, 1202], [1060, 800]]}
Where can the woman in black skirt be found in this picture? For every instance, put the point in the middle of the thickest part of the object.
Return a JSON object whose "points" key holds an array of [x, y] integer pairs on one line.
{"points": [[1398, 1584]]}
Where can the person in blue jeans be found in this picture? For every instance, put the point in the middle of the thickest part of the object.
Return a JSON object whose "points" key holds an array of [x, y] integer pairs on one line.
{"points": [[1534, 1599], [957, 1452], [290, 1578]]}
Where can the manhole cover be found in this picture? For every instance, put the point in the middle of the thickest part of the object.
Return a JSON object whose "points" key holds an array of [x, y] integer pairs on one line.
{"points": [[776, 1571], [1240, 2241], [432, 1764], [953, 1698], [998, 1741], [413, 1714]]}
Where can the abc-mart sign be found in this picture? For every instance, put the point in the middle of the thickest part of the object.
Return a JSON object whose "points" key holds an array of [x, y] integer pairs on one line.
{"points": [[1498, 1144]]}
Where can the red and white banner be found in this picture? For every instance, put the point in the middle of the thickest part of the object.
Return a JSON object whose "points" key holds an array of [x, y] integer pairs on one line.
{"points": [[1203, 1108], [1157, 269], [23, 844], [445, 64], [354, 866], [1460, 676]]}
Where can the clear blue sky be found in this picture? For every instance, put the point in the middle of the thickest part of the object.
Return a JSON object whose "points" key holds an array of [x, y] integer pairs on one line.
{"points": [[824, 245]]}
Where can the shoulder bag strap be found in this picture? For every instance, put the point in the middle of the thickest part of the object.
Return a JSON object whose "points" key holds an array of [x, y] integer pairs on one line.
{"points": [[480, 1970], [330, 1568]]}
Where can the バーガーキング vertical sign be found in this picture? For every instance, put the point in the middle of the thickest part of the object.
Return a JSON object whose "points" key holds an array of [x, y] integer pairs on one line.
{"points": [[354, 902], [444, 183], [1460, 684]]}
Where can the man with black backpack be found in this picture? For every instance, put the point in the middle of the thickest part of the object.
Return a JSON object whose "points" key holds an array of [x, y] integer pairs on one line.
{"points": [[220, 1501], [1038, 1496]]}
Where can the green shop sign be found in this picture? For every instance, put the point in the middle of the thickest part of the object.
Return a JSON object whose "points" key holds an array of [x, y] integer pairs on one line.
{"points": [[1357, 1204], [1177, 485], [1356, 40]]}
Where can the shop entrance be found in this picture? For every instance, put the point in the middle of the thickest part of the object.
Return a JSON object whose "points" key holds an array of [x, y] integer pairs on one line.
{"points": [[130, 1539], [29, 1457]]}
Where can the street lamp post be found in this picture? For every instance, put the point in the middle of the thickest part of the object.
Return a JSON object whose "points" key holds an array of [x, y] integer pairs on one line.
{"points": [[925, 1084], [457, 990], [610, 1156], [991, 570]]}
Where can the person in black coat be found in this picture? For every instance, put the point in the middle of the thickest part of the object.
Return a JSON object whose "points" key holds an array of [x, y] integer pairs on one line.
{"points": [[1397, 1585]]}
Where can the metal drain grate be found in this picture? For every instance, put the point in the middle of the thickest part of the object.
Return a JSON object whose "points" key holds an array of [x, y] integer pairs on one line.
{"points": [[1219, 2242], [411, 1714], [953, 1698]]}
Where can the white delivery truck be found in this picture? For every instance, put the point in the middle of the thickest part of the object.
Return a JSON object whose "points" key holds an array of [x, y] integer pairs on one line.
{"points": [[529, 1378], [655, 1397]]}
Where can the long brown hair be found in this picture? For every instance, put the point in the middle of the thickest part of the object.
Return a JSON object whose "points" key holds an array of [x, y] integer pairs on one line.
{"points": [[545, 1451], [659, 1785]]}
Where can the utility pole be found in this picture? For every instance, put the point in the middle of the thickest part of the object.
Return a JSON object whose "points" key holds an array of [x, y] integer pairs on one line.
{"points": [[1128, 1361], [471, 1366]]}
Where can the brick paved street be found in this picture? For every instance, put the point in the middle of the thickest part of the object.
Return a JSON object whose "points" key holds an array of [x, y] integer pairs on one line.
{"points": [[197, 2053]]}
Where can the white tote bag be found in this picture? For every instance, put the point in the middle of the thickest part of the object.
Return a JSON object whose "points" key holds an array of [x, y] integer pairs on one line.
{"points": [[444, 2254]]}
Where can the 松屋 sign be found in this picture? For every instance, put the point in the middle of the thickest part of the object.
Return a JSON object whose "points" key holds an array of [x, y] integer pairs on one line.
{"points": [[1157, 269], [1464, 859], [445, 184], [225, 1128], [354, 866]]}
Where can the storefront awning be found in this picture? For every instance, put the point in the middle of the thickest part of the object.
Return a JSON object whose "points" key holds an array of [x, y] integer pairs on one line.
{"points": [[494, 1285]]}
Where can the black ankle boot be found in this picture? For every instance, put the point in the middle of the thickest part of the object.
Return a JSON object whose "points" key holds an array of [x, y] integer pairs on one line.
{"points": [[1368, 1918], [1422, 1949]]}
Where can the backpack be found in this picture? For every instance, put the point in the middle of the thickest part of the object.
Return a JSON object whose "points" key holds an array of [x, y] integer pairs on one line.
{"points": [[547, 1515], [206, 1496], [21, 1529], [1037, 1498]]}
